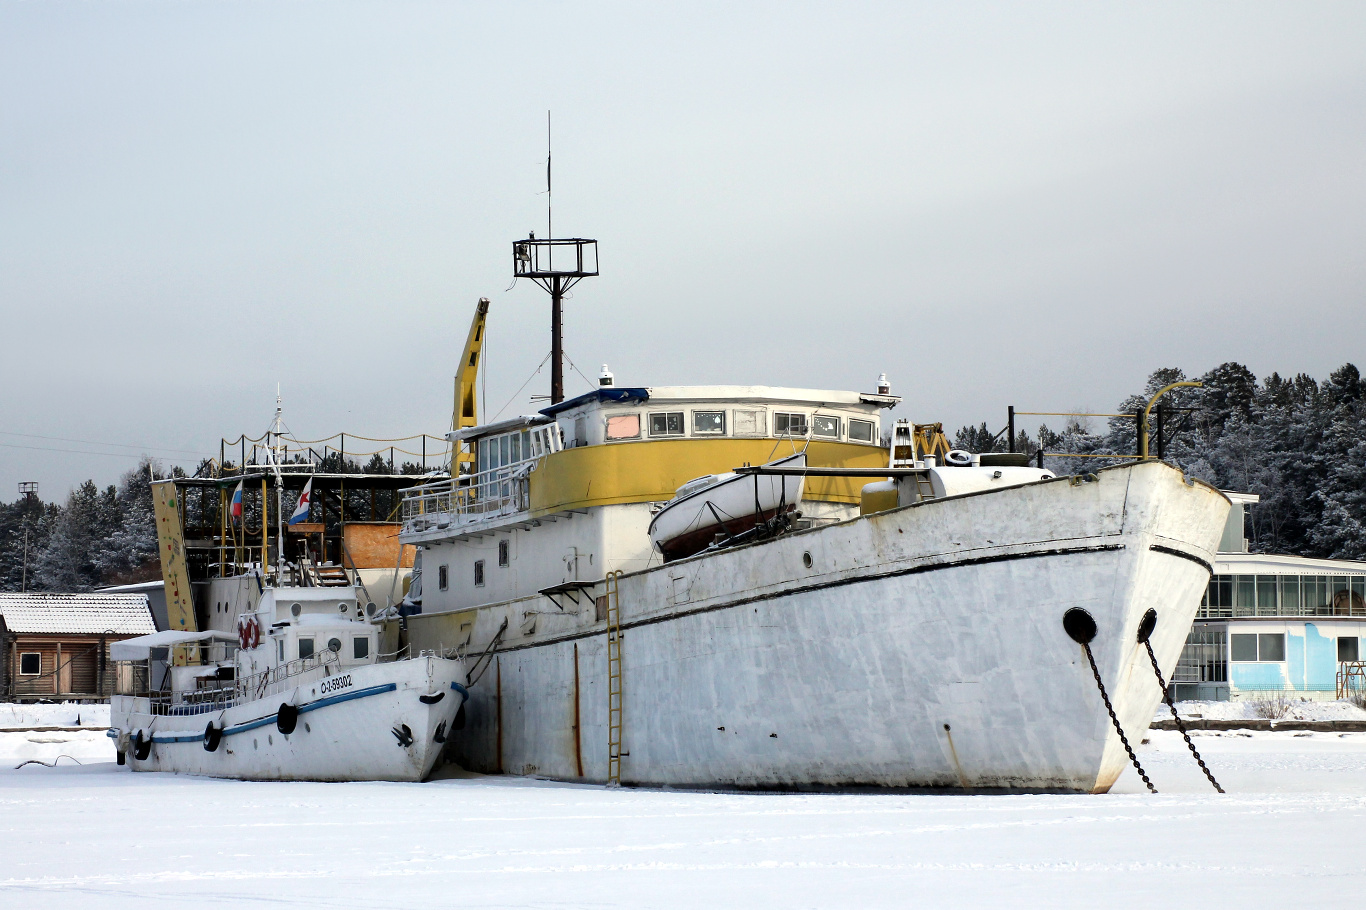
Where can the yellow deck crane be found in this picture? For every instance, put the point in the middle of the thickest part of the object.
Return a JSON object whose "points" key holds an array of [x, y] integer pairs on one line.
{"points": [[466, 412]]}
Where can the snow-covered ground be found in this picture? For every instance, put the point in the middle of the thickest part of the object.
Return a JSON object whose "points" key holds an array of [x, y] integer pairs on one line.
{"points": [[1293, 709], [1286, 834], [66, 714]]}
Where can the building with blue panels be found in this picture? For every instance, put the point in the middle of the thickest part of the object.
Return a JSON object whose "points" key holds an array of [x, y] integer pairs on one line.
{"points": [[1272, 624]]}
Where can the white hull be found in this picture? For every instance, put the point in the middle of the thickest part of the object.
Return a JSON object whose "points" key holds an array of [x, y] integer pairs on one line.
{"points": [[345, 729], [918, 647]]}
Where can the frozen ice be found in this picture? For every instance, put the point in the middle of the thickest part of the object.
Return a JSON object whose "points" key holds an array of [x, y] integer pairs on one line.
{"points": [[98, 835]]}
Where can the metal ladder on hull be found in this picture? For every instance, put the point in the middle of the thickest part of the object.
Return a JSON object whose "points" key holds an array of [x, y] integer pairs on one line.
{"points": [[613, 680]]}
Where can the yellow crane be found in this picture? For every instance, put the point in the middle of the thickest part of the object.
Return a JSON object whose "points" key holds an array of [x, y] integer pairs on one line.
{"points": [[466, 412]]}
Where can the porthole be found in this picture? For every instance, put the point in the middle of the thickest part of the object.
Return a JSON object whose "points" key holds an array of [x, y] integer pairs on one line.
{"points": [[806, 559], [370, 608], [296, 608], [341, 608], [334, 645]]}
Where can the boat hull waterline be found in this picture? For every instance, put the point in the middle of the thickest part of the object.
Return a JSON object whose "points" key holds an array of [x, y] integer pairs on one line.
{"points": [[919, 647], [386, 721]]}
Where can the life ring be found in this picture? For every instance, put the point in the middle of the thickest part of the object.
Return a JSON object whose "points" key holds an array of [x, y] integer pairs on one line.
{"points": [[248, 632], [213, 735], [958, 458]]}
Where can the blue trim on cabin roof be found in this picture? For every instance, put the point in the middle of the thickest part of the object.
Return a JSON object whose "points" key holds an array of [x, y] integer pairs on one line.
{"points": [[604, 394]]}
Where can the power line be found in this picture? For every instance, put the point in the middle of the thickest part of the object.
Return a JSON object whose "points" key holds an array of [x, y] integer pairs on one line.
{"points": [[11, 445], [96, 442]]}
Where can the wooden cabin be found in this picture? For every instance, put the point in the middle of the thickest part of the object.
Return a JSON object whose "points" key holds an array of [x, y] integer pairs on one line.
{"points": [[57, 645]]}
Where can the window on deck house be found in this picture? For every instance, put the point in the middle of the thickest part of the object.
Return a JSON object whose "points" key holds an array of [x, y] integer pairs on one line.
{"points": [[668, 423], [828, 427], [623, 426], [786, 424]]}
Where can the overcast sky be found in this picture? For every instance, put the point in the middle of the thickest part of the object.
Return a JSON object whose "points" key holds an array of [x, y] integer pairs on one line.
{"points": [[995, 204]]}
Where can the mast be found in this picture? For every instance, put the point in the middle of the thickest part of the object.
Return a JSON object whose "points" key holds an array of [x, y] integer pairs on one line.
{"points": [[555, 265], [279, 490]]}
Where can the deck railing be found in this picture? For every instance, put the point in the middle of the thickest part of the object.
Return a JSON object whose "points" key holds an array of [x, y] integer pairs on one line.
{"points": [[468, 499], [225, 694]]}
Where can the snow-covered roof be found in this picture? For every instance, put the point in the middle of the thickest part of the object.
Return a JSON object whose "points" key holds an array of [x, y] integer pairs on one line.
{"points": [[79, 614], [1276, 564]]}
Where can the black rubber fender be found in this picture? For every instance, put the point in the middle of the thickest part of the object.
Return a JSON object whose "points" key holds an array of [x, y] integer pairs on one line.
{"points": [[122, 758], [142, 746], [459, 722], [440, 735], [213, 735], [431, 699], [286, 719]]}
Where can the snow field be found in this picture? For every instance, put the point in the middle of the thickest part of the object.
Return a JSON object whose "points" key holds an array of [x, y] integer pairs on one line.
{"points": [[66, 714], [1286, 832]]}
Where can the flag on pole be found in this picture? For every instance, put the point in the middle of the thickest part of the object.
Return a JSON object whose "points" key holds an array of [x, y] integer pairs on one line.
{"points": [[305, 500], [236, 509]]}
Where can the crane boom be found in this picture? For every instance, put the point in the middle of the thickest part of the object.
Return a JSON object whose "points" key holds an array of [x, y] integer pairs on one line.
{"points": [[466, 411]]}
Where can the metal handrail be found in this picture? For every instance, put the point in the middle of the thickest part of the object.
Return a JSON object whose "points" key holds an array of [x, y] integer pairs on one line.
{"points": [[470, 498]]}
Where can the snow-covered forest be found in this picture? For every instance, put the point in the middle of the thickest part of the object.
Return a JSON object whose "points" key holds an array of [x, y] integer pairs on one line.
{"points": [[1298, 442]]}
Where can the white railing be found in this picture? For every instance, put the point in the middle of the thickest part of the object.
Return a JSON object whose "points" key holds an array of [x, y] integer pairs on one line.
{"points": [[468, 499], [286, 676], [239, 692]]}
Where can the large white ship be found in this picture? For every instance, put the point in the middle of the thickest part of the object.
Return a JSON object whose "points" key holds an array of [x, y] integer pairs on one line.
{"points": [[904, 628]]}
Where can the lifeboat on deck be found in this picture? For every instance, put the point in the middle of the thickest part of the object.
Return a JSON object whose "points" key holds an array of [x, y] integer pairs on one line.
{"points": [[727, 509]]}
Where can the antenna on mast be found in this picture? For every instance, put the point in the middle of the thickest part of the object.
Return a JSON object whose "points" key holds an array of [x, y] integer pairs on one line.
{"points": [[549, 223], [555, 265]]}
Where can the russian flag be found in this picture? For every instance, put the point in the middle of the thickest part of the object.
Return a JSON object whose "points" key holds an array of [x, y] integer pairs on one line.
{"points": [[305, 500], [236, 508]]}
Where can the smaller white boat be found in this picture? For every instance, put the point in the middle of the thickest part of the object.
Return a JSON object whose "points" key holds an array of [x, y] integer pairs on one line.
{"points": [[301, 693], [725, 508]]}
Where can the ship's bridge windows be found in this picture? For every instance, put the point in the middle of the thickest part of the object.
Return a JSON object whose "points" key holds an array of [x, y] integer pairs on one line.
{"points": [[504, 553], [709, 423], [360, 647], [305, 648], [623, 426], [749, 423], [666, 423], [860, 430], [789, 424], [825, 426], [442, 577], [478, 573]]}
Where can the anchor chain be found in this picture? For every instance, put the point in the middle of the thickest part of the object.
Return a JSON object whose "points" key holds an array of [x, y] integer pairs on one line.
{"points": [[1167, 697], [1086, 646], [1080, 626]]}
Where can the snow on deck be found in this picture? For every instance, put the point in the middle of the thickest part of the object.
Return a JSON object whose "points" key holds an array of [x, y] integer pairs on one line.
{"points": [[1286, 833]]}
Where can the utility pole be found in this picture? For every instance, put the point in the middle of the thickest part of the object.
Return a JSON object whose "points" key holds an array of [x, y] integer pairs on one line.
{"points": [[29, 490]]}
